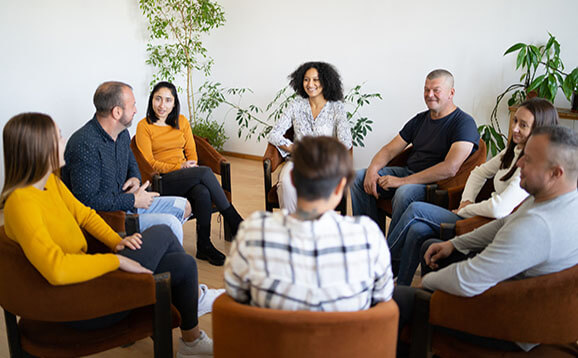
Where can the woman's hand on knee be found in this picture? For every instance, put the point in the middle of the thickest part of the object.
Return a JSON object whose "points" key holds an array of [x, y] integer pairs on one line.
{"points": [[133, 242], [189, 164], [130, 265]]}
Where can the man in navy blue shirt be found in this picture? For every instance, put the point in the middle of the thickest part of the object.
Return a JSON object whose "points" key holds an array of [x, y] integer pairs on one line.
{"points": [[443, 137], [102, 172]]}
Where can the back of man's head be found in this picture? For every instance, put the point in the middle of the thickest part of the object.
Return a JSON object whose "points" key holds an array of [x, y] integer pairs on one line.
{"points": [[109, 95], [563, 148], [442, 73], [319, 165]]}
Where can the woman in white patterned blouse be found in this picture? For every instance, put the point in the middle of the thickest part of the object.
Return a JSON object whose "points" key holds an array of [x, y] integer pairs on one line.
{"points": [[318, 111]]}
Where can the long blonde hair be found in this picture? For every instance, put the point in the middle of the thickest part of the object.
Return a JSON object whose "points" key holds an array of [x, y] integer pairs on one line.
{"points": [[30, 151]]}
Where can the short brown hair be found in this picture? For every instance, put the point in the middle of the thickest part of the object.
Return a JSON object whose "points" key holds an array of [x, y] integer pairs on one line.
{"points": [[440, 72], [30, 150], [319, 164], [109, 95]]}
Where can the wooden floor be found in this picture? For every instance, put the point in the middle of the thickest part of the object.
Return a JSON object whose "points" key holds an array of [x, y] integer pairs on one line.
{"points": [[248, 196]]}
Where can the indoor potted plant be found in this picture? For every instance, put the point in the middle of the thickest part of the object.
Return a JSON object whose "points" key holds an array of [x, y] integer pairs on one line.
{"points": [[543, 74]]}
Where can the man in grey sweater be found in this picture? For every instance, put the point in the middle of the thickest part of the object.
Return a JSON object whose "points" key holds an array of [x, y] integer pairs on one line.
{"points": [[539, 238]]}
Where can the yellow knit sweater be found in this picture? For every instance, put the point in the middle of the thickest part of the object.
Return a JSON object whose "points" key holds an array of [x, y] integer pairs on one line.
{"points": [[164, 147], [47, 225]]}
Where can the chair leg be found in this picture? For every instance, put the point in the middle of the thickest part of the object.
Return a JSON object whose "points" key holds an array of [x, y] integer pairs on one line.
{"points": [[13, 333], [162, 331], [381, 218]]}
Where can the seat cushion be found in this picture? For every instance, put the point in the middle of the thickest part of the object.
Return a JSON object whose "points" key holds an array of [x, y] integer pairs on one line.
{"points": [[49, 339]]}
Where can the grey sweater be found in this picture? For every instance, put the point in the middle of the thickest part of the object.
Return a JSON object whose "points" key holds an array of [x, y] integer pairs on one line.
{"points": [[539, 238]]}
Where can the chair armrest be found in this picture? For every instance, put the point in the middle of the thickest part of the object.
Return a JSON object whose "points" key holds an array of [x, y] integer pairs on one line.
{"points": [[273, 155], [114, 219], [470, 224], [208, 156], [515, 310], [447, 231]]}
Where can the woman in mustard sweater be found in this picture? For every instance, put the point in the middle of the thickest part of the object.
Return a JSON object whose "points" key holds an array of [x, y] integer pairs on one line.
{"points": [[166, 141], [45, 219]]}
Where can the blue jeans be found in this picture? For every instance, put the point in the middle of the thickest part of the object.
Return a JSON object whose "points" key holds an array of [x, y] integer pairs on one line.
{"points": [[419, 222], [365, 204], [164, 210]]}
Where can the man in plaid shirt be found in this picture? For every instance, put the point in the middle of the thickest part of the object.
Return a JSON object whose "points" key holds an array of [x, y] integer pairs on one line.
{"points": [[313, 259]]}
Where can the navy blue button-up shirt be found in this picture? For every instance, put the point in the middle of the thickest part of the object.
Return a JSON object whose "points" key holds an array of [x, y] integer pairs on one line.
{"points": [[98, 166]]}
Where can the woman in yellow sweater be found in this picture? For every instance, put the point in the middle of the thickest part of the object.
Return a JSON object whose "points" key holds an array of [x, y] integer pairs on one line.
{"points": [[45, 219], [166, 141]]}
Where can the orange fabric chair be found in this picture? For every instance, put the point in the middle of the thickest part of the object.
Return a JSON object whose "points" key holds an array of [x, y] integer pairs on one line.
{"points": [[541, 309], [244, 331], [272, 159], [42, 308], [208, 156], [437, 193]]}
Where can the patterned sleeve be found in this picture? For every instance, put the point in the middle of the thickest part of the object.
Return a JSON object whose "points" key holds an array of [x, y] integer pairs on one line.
{"points": [[276, 136], [383, 276], [342, 125], [236, 270]]}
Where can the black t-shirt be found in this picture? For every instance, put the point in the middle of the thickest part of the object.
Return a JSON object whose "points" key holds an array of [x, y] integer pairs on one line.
{"points": [[432, 139]]}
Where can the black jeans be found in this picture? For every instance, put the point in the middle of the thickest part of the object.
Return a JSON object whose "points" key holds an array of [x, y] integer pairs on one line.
{"points": [[161, 252], [201, 189]]}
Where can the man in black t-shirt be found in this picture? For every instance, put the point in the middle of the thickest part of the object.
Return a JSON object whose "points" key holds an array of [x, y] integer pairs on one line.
{"points": [[443, 137]]}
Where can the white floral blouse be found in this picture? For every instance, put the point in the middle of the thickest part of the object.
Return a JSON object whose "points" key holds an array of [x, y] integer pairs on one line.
{"points": [[331, 121]]}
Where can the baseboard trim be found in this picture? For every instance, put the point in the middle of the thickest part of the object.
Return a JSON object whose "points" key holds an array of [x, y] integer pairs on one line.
{"points": [[243, 156]]}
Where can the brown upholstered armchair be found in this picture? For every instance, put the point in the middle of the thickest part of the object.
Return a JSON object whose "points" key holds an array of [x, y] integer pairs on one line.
{"points": [[244, 331], [272, 159], [207, 155], [541, 309], [42, 308], [437, 193]]}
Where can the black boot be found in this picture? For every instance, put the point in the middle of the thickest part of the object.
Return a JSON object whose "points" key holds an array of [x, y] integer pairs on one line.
{"points": [[232, 218], [205, 249]]}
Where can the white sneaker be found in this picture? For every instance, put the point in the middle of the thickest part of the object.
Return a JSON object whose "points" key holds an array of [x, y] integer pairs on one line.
{"points": [[206, 299], [201, 347]]}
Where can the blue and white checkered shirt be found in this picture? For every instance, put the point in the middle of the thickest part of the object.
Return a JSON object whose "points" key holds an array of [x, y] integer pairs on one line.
{"points": [[334, 263]]}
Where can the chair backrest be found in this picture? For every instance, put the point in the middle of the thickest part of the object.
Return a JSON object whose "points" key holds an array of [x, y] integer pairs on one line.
{"points": [[244, 331]]}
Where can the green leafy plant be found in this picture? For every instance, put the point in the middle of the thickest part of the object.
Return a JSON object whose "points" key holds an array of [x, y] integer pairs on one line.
{"points": [[542, 73], [254, 121], [211, 131], [176, 48]]}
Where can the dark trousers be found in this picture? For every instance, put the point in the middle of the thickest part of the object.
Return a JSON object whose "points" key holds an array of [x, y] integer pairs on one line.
{"points": [[161, 252], [404, 296], [201, 189]]}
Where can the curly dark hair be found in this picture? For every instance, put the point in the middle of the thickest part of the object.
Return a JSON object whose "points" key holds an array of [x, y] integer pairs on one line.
{"points": [[173, 117], [328, 76]]}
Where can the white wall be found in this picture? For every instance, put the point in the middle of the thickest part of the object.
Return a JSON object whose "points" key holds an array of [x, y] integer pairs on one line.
{"points": [[55, 53]]}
